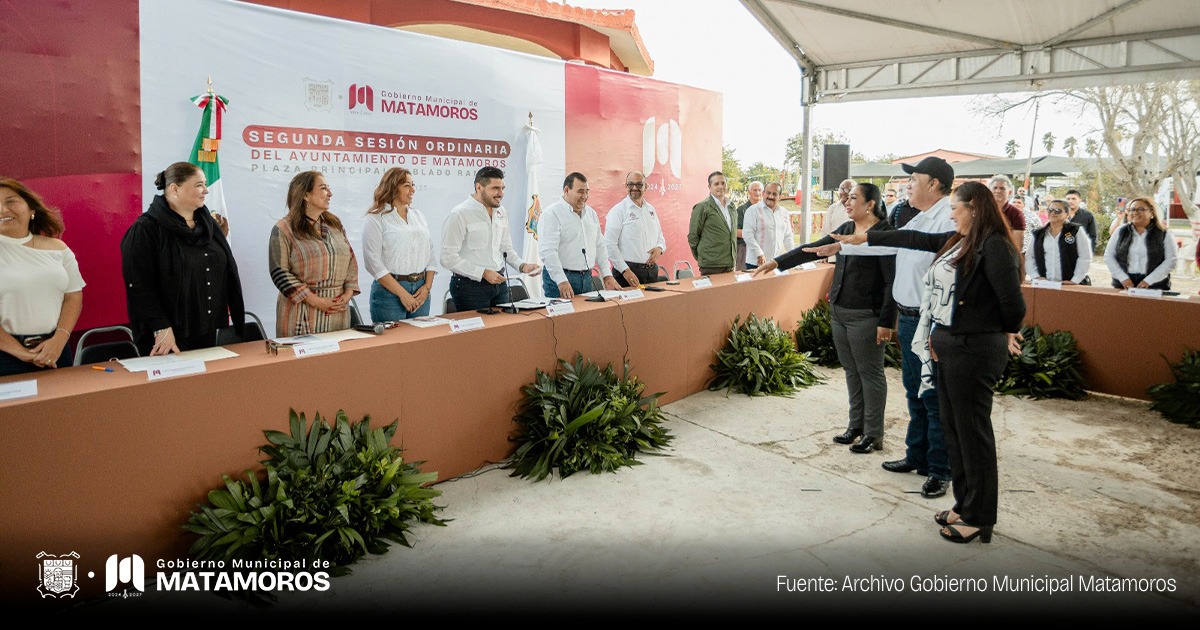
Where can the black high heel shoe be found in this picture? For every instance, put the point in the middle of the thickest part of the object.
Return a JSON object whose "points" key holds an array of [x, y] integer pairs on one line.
{"points": [[983, 533], [943, 518], [848, 437]]}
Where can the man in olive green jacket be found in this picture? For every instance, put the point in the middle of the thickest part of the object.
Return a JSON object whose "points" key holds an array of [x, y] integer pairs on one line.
{"points": [[712, 233]]}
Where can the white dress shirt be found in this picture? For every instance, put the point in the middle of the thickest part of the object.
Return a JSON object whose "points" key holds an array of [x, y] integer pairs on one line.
{"points": [[392, 245], [726, 211], [631, 232], [473, 242], [766, 232], [1139, 257], [1049, 244], [564, 238], [911, 264], [835, 217]]}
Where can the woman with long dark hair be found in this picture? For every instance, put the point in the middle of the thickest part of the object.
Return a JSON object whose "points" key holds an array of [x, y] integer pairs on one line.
{"points": [[312, 263], [862, 314], [181, 280], [971, 316], [41, 290]]}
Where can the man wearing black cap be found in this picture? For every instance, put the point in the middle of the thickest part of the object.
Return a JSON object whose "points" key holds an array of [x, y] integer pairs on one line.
{"points": [[929, 185]]}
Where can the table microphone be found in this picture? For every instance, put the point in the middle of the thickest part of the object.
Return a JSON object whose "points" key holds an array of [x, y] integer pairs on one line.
{"points": [[597, 297], [511, 308]]}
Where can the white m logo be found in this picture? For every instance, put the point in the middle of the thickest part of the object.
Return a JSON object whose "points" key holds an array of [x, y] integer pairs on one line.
{"points": [[124, 571], [660, 145]]}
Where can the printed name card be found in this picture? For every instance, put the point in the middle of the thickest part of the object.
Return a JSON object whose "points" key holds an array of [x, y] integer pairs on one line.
{"points": [[701, 283], [809, 266], [632, 294], [781, 272], [742, 277], [175, 368], [555, 309], [463, 325], [19, 389], [1043, 283], [313, 348], [1154, 293]]}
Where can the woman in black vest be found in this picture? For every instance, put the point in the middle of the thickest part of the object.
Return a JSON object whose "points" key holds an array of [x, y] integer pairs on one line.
{"points": [[1141, 253], [1059, 251]]}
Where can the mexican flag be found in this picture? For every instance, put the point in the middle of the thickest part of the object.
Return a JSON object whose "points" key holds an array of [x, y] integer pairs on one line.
{"points": [[208, 142]]}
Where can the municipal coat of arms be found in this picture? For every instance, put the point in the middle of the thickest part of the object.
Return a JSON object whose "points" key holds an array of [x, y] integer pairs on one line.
{"points": [[318, 95], [58, 574]]}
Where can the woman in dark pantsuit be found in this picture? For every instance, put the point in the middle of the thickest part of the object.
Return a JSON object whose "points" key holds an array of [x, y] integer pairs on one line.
{"points": [[862, 315], [971, 315]]}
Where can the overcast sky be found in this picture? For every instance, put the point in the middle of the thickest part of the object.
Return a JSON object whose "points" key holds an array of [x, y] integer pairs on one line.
{"points": [[718, 45]]}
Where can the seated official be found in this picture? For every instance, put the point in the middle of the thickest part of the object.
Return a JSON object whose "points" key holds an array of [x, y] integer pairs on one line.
{"points": [[1059, 251], [1141, 253], [41, 291]]}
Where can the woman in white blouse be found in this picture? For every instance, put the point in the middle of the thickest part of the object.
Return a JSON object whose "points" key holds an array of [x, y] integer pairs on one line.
{"points": [[1060, 251], [1141, 253], [398, 251], [767, 229], [41, 291]]}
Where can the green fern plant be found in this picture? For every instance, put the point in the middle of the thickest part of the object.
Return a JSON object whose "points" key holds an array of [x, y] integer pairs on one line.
{"points": [[585, 418], [1048, 367], [326, 492], [1180, 401], [760, 358]]}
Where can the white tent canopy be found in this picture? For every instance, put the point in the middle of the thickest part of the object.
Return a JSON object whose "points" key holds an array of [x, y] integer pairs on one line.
{"points": [[856, 50], [859, 50]]}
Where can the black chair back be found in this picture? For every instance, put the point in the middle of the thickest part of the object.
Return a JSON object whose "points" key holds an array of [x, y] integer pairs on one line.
{"points": [[253, 331], [96, 352]]}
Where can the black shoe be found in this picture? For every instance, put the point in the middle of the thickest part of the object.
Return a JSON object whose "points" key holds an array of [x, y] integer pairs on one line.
{"points": [[954, 534], [866, 445], [899, 466], [934, 488], [848, 437]]}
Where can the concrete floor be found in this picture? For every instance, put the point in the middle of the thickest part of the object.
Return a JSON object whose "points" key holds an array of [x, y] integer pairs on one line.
{"points": [[753, 496]]}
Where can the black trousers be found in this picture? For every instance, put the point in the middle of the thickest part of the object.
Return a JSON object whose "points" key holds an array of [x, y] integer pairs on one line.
{"points": [[645, 273], [968, 368]]}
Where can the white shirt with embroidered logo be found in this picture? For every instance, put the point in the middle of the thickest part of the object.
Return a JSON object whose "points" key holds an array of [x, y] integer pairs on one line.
{"points": [[473, 242], [565, 238], [630, 232]]}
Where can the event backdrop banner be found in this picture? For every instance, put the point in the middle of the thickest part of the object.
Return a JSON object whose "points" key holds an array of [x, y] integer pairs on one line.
{"points": [[92, 120], [349, 100]]}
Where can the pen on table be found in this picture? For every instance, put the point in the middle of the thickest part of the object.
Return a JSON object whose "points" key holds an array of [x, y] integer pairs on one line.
{"points": [[102, 369]]}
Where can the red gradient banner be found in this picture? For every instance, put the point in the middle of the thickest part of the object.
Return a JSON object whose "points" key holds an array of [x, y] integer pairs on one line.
{"points": [[618, 123]]}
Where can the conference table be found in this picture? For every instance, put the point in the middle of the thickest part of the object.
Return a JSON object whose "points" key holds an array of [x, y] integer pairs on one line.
{"points": [[104, 463]]}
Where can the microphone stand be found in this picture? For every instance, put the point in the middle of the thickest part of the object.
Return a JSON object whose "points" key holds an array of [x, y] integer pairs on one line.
{"points": [[597, 297], [511, 308]]}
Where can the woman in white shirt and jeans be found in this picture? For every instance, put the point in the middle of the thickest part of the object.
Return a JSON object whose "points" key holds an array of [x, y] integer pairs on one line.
{"points": [[41, 291], [398, 251]]}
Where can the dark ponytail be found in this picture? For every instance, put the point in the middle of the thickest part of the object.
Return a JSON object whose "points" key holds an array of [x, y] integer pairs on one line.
{"points": [[176, 173]]}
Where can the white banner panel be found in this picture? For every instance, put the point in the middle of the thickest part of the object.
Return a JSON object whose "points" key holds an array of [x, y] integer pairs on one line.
{"points": [[349, 100]]}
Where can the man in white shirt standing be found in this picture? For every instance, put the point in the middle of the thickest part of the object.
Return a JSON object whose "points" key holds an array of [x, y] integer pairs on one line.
{"points": [[476, 244], [929, 185], [837, 213], [571, 243], [634, 236], [767, 229]]}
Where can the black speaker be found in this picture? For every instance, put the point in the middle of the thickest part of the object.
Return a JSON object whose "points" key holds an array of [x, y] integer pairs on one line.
{"points": [[835, 166]]}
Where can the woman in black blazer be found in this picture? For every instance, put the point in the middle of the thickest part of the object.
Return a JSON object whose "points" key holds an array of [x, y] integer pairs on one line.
{"points": [[862, 314], [971, 316]]}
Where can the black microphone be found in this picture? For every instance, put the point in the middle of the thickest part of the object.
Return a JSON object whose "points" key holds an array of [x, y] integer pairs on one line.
{"points": [[511, 308], [597, 297]]}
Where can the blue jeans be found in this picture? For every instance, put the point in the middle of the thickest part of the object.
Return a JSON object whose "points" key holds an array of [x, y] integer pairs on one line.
{"points": [[470, 295], [581, 282], [925, 441], [12, 365], [387, 307]]}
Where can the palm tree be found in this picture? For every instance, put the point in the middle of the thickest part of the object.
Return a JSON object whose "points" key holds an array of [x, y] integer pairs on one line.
{"points": [[1011, 149]]}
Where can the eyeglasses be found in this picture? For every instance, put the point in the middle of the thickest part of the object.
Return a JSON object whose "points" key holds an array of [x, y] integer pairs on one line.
{"points": [[635, 184], [1137, 210], [1055, 211]]}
